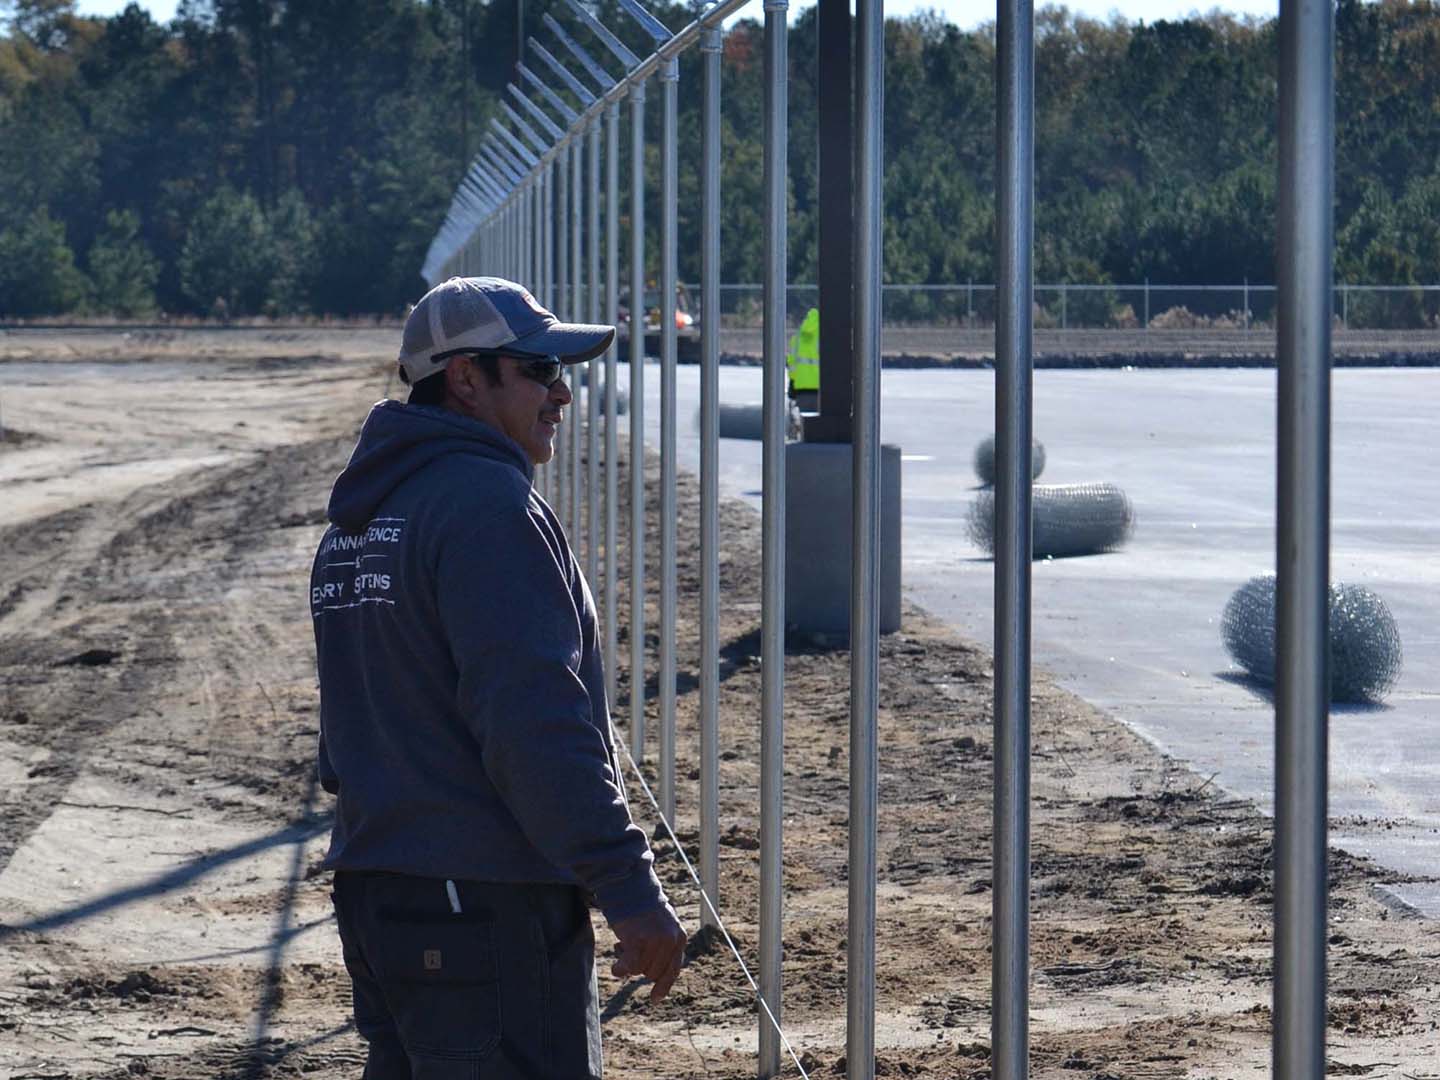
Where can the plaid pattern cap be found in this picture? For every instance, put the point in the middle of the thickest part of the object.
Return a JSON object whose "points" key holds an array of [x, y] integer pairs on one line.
{"points": [[489, 313]]}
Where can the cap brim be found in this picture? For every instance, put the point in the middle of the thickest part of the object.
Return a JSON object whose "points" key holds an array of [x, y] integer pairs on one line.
{"points": [[573, 343]]}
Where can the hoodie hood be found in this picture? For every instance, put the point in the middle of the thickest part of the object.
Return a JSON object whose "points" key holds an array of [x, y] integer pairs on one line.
{"points": [[398, 440]]}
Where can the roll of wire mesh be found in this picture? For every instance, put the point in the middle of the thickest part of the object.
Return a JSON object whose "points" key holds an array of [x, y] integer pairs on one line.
{"points": [[1365, 653], [1066, 519], [985, 460], [740, 421]]}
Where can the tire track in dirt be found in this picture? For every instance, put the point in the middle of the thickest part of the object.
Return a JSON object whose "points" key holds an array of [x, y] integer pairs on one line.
{"points": [[121, 609]]}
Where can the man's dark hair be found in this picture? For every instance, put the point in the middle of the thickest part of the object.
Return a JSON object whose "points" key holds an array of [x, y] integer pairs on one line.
{"points": [[431, 389]]}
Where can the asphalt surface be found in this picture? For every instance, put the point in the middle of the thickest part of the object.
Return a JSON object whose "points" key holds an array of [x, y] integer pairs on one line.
{"points": [[1136, 632]]}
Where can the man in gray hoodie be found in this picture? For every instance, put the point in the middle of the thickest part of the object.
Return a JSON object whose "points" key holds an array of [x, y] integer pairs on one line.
{"points": [[464, 730]]}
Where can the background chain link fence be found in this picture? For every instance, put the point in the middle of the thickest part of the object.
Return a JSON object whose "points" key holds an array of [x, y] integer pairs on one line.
{"points": [[1241, 306]]}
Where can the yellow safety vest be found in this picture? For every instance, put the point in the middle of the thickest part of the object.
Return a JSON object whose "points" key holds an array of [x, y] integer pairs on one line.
{"points": [[803, 359]]}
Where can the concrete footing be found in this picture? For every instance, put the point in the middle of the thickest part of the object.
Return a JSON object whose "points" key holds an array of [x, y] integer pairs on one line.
{"points": [[818, 535]]}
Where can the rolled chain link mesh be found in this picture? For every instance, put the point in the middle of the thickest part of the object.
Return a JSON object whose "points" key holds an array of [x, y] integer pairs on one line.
{"points": [[1066, 519], [985, 460], [1365, 652]]}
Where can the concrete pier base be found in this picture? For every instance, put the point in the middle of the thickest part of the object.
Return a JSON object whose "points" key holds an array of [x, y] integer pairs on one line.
{"points": [[817, 538]]}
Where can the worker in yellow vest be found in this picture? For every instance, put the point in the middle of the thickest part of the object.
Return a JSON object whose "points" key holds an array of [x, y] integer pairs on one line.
{"points": [[803, 363]]}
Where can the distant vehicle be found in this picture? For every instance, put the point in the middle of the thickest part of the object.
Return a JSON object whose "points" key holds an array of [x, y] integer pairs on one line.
{"points": [[687, 323]]}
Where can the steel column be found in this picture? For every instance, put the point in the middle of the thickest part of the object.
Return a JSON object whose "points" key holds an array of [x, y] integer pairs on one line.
{"points": [[710, 480], [1010, 874], [637, 421], [772, 527], [669, 246], [1304, 305]]}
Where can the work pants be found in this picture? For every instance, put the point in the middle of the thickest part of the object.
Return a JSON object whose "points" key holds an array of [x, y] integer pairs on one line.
{"points": [[503, 989]]}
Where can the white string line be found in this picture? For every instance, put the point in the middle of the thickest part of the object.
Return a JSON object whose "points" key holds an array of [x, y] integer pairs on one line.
{"points": [[719, 922]]}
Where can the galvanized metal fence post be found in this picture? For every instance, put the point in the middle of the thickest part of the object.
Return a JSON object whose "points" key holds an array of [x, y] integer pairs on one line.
{"points": [[1304, 308], [637, 420], [710, 480], [537, 281], [592, 369], [547, 277], [1010, 961], [562, 305], [612, 391], [772, 513], [669, 249], [547, 228], [865, 540], [522, 234], [576, 311]]}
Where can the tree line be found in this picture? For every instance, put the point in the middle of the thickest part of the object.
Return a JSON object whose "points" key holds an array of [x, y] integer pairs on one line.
{"points": [[263, 156]]}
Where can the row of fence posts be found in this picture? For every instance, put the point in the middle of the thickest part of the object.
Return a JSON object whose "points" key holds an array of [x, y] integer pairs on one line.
{"points": [[530, 191]]}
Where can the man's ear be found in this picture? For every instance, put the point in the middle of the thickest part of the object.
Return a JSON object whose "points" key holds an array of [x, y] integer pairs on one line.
{"points": [[462, 379]]}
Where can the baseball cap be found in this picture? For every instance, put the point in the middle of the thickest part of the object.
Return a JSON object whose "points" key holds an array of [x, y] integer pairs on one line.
{"points": [[489, 313]]}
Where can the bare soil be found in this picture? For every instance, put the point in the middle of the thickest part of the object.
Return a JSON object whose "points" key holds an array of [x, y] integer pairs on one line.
{"points": [[161, 908]]}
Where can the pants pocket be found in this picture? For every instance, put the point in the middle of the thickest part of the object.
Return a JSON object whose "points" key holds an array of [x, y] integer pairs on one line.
{"points": [[441, 982]]}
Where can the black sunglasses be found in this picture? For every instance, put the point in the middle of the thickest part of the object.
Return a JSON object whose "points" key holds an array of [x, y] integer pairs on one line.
{"points": [[542, 369], [545, 370]]}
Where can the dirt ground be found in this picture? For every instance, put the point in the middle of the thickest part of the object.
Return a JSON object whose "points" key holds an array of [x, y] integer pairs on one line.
{"points": [[162, 912]]}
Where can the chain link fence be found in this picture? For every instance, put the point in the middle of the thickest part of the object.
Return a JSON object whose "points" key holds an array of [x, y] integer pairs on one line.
{"points": [[1244, 306]]}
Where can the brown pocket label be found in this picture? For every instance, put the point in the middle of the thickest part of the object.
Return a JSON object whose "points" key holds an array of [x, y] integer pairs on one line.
{"points": [[432, 960]]}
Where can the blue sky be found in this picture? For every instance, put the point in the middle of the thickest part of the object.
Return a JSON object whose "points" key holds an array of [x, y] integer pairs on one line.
{"points": [[965, 13]]}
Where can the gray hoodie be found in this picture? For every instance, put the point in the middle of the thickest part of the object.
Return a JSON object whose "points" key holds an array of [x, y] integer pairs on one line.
{"points": [[463, 721]]}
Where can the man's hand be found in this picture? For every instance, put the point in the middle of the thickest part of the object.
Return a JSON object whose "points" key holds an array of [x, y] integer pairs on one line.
{"points": [[652, 945]]}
